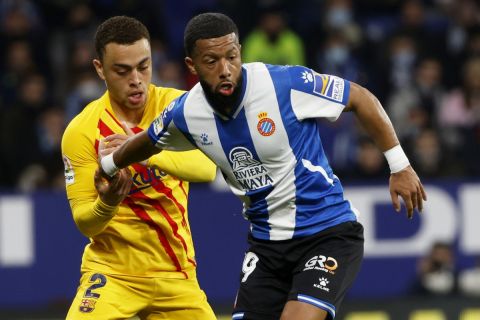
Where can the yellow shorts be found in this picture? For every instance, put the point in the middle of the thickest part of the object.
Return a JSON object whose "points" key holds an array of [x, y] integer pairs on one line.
{"points": [[107, 297]]}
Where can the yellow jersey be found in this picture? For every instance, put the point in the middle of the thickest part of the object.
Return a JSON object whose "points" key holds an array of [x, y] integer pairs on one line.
{"points": [[148, 234]]}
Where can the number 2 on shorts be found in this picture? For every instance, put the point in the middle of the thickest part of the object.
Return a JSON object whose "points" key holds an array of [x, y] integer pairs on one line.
{"points": [[249, 264], [94, 278]]}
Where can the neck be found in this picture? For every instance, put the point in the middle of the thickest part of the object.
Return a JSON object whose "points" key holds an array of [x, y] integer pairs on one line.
{"points": [[132, 117]]}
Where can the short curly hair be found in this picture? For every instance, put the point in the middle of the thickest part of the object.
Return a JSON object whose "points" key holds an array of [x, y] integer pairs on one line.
{"points": [[207, 26], [121, 30]]}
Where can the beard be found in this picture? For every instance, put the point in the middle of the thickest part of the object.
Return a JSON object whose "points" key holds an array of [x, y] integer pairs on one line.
{"points": [[223, 104]]}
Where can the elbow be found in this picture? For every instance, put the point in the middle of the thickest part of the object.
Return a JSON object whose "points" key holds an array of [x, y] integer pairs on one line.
{"points": [[212, 174], [87, 229], [205, 175]]}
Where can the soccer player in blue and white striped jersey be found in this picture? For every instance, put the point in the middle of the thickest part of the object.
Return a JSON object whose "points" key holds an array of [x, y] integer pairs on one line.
{"points": [[257, 123]]}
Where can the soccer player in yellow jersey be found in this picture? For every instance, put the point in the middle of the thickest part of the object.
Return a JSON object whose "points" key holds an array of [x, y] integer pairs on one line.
{"points": [[140, 259]]}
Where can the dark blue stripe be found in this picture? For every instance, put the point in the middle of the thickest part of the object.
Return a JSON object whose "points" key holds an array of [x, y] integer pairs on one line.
{"points": [[234, 133]]}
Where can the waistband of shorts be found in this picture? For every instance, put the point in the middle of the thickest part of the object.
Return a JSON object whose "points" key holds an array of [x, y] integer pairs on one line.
{"points": [[182, 274]]}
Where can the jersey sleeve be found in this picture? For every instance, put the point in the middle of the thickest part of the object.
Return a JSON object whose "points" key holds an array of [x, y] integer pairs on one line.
{"points": [[90, 214], [165, 134], [192, 166], [315, 95]]}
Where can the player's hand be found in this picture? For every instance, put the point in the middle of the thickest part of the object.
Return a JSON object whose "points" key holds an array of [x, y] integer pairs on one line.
{"points": [[407, 185], [114, 141], [114, 189]]}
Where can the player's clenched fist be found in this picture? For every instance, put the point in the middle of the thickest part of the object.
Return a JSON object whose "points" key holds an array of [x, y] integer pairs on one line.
{"points": [[115, 189]]}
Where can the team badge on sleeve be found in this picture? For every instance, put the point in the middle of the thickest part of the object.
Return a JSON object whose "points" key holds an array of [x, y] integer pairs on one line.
{"points": [[157, 125], [265, 126], [164, 118], [69, 173]]}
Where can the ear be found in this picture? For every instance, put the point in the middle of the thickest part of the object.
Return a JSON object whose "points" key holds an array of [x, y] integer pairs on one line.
{"points": [[190, 65], [99, 68]]}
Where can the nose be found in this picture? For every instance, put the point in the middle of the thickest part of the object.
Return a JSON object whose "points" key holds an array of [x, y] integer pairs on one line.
{"points": [[225, 69], [135, 80]]}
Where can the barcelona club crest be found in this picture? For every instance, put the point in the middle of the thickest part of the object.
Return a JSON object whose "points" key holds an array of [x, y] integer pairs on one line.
{"points": [[87, 305], [265, 125]]}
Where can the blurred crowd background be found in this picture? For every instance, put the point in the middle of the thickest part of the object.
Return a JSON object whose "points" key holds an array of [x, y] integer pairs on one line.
{"points": [[420, 58]]}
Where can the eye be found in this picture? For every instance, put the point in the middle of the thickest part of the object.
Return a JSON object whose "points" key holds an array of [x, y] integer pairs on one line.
{"points": [[143, 68], [122, 72]]}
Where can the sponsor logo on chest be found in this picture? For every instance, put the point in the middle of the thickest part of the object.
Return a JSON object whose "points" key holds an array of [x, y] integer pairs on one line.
{"points": [[249, 172]]}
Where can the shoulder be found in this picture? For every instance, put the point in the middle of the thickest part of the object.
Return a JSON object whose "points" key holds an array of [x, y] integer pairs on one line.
{"points": [[82, 129], [163, 96], [292, 72]]}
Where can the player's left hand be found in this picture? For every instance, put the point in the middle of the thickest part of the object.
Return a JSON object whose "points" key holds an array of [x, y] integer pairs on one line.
{"points": [[407, 185]]}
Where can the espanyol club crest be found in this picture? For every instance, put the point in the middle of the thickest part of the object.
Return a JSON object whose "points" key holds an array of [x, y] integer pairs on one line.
{"points": [[265, 126]]}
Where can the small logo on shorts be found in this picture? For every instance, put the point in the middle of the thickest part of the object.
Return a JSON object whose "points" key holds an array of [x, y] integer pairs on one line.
{"points": [[321, 262], [323, 282], [87, 305]]}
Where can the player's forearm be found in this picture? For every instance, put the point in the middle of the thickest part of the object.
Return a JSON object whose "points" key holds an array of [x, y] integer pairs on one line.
{"points": [[375, 120], [135, 149], [192, 166], [373, 117], [92, 218]]}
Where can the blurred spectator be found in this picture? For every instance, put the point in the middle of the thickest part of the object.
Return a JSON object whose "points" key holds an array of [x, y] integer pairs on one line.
{"points": [[402, 57], [463, 20], [273, 42], [16, 64], [428, 156], [339, 17], [436, 271], [417, 22], [337, 58], [18, 129], [87, 88], [370, 162], [415, 107], [459, 117]]}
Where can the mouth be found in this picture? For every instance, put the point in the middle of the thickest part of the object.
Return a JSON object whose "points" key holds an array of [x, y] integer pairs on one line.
{"points": [[226, 88], [135, 97]]}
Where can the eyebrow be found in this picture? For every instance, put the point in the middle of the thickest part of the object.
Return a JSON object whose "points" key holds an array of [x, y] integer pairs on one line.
{"points": [[126, 66], [211, 54]]}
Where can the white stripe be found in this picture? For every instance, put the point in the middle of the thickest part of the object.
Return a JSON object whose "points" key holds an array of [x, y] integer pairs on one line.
{"points": [[317, 303], [280, 162], [16, 232], [313, 168], [307, 106], [238, 315]]}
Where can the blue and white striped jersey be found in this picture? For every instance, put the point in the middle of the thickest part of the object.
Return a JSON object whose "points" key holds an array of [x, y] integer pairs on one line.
{"points": [[269, 150]]}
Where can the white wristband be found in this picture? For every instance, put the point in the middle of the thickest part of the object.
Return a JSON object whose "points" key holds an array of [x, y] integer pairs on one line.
{"points": [[396, 158], [108, 166]]}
